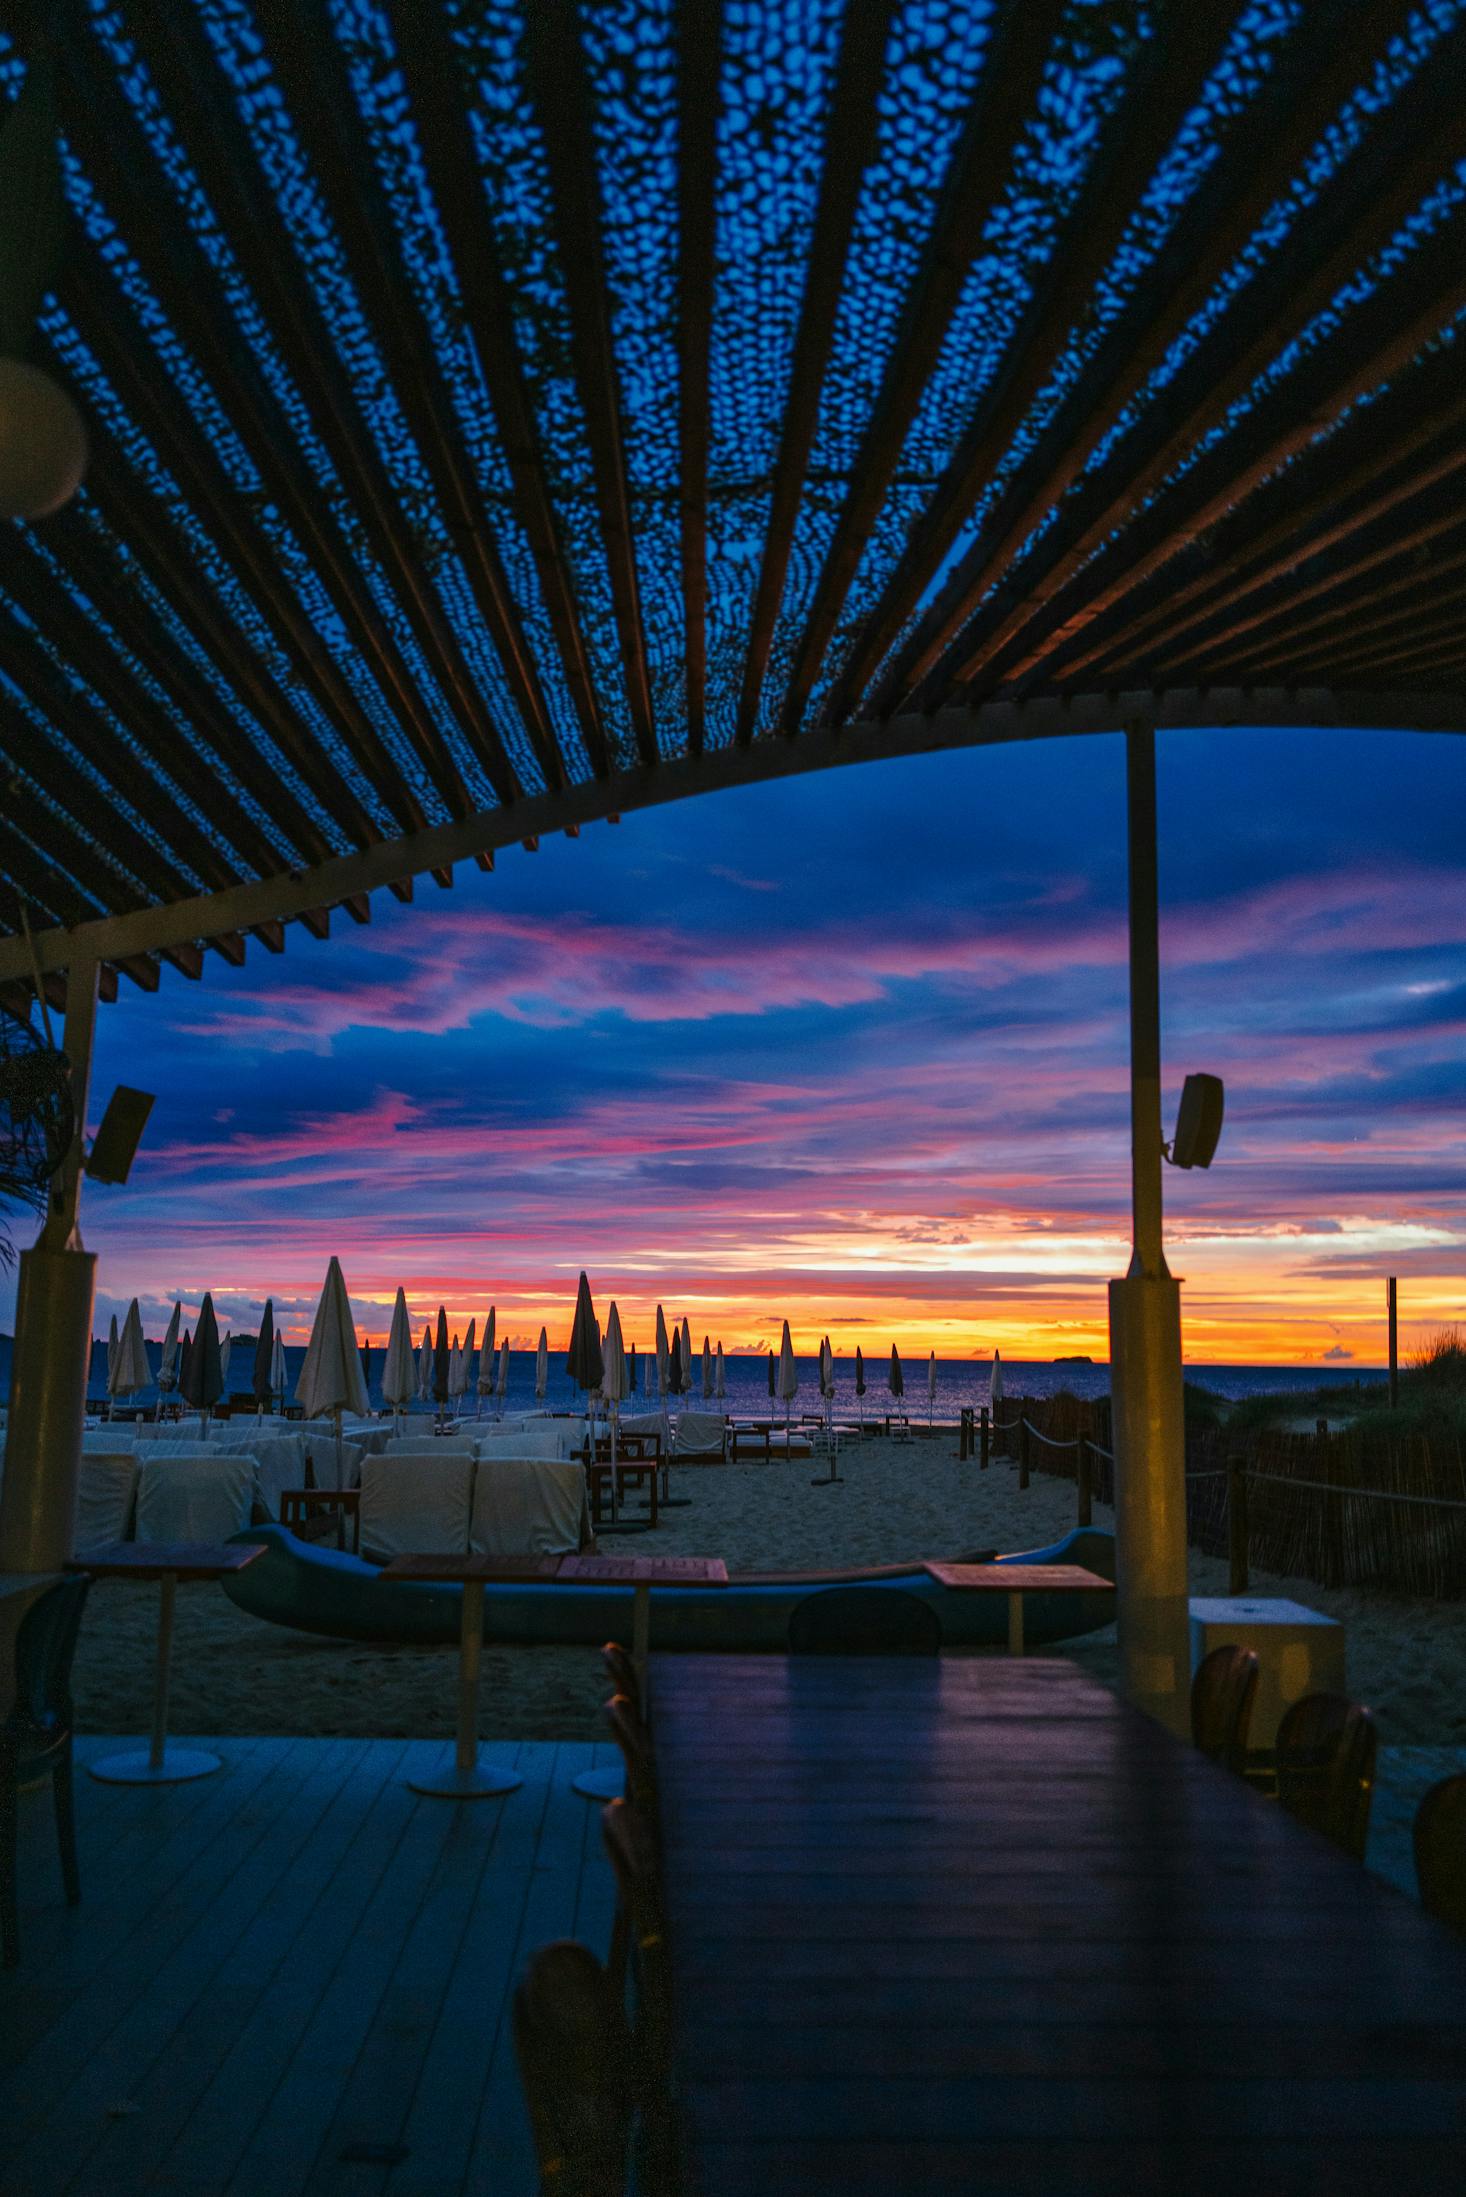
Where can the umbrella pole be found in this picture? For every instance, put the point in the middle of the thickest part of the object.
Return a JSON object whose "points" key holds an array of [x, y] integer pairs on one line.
{"points": [[340, 1512]]}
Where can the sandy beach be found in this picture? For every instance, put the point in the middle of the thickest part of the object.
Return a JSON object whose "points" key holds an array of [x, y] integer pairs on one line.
{"points": [[233, 1673]]}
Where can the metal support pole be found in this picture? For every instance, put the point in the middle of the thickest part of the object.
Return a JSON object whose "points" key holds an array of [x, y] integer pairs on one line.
{"points": [[1392, 1300], [53, 1340], [1145, 1324]]}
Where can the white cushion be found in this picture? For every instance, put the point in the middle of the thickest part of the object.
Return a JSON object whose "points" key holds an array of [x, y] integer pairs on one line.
{"points": [[545, 1440], [110, 1441], [698, 1433], [416, 1506], [279, 1461], [194, 1496], [105, 1488], [529, 1506], [426, 1444]]}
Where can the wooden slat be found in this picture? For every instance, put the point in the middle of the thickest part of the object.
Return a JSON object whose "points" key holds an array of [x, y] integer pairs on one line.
{"points": [[438, 95], [1013, 69], [699, 40]]}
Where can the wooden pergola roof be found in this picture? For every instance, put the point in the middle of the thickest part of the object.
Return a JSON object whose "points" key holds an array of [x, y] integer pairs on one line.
{"points": [[508, 412]]}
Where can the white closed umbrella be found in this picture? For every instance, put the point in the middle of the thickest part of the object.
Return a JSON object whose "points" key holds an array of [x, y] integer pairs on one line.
{"points": [[129, 1370], [112, 1340], [720, 1385], [542, 1366], [686, 1356], [399, 1368], [931, 1386], [486, 1362], [331, 1380], [614, 1383], [168, 1363], [226, 1354], [425, 1365], [788, 1375], [279, 1371], [995, 1390], [468, 1341], [501, 1386]]}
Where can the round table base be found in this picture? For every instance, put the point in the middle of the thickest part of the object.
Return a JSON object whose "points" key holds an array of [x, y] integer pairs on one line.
{"points": [[477, 1783], [600, 1784], [178, 1765]]}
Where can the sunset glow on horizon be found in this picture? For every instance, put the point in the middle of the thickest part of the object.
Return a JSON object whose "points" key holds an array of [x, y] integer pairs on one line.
{"points": [[849, 1051]]}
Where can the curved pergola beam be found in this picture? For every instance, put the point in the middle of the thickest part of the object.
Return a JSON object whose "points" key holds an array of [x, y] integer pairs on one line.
{"points": [[302, 894]]}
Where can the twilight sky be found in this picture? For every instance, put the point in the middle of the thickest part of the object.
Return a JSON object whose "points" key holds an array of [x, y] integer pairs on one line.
{"points": [[852, 1049]]}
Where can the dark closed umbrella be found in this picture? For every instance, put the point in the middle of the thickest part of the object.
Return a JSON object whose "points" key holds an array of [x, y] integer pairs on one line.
{"points": [[442, 1358], [676, 1380], [773, 1375], [366, 1363], [896, 1380], [265, 1355], [203, 1382], [859, 1372], [185, 1359], [631, 1369], [583, 1361]]}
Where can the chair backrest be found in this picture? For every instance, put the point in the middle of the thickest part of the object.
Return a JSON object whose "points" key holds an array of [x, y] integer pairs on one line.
{"points": [[632, 1735], [621, 1665], [574, 2052], [278, 1455], [548, 1440], [864, 1621], [415, 1506], [45, 1642], [529, 1506], [1222, 1694], [105, 1490], [196, 1496], [1326, 1750], [1440, 1851]]}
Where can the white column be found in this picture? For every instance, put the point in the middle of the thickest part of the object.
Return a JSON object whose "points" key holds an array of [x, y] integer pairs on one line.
{"points": [[1145, 1325]]}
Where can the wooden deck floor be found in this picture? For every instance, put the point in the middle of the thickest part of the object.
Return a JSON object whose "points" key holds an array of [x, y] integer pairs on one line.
{"points": [[291, 1976]]}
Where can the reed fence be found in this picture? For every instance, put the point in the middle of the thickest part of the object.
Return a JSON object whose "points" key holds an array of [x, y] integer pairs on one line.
{"points": [[1357, 1508]]}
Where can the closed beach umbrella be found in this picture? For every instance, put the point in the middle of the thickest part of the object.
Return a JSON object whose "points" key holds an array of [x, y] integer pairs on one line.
{"points": [[720, 1385], [631, 1369], [201, 1384], [583, 1360], [827, 1369], [707, 1371], [366, 1367], [773, 1375], [168, 1363], [788, 1374], [130, 1368], [279, 1371], [185, 1360], [614, 1382], [995, 1388], [264, 1356], [663, 1356], [542, 1366], [931, 1386], [399, 1371], [486, 1361], [675, 1381], [226, 1359], [895, 1379], [425, 1367], [860, 1382], [501, 1385], [686, 1356], [468, 1358], [330, 1380], [442, 1362], [112, 1341]]}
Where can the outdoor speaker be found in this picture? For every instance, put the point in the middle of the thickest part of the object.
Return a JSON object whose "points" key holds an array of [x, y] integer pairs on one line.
{"points": [[115, 1144], [1198, 1122]]}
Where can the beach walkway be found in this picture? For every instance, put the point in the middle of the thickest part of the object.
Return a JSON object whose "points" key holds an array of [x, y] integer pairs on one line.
{"points": [[290, 1977]]}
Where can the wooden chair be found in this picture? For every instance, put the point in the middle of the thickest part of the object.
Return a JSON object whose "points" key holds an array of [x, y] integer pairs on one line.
{"points": [[631, 1843], [621, 1666], [864, 1621], [632, 1736], [35, 1740], [1440, 1851], [1222, 1695], [1326, 1749], [575, 2067]]}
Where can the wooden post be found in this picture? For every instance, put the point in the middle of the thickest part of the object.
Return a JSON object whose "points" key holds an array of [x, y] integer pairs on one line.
{"points": [[1392, 1302], [984, 1435], [1022, 1452], [964, 1435], [1236, 1526], [1084, 1474]]}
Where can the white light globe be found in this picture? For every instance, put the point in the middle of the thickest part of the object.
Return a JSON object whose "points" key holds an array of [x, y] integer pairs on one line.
{"points": [[43, 443]]}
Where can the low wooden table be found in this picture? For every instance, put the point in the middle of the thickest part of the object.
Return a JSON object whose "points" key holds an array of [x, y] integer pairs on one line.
{"points": [[1016, 1580], [641, 1573], [467, 1779], [167, 1562], [297, 1505]]}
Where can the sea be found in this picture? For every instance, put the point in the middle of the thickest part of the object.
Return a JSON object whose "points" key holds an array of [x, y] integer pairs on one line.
{"points": [[959, 1381]]}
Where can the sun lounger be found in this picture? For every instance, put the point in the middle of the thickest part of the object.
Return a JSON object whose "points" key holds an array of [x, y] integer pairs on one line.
{"points": [[529, 1506], [551, 1438], [416, 1504], [700, 1434], [106, 1489], [195, 1495]]}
